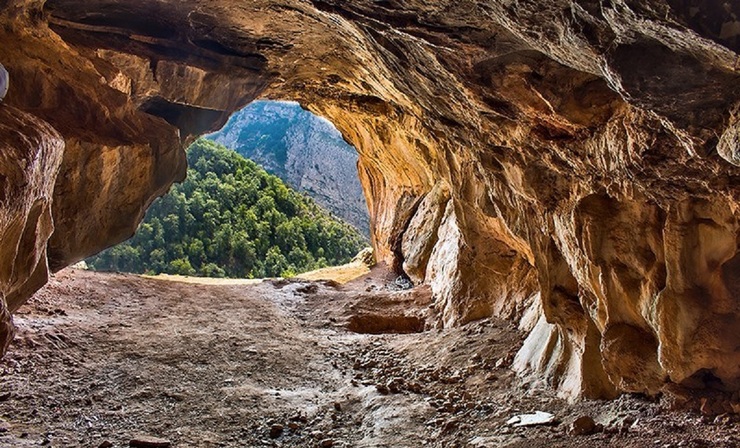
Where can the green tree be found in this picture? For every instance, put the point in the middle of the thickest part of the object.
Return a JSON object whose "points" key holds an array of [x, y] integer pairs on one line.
{"points": [[275, 262], [231, 218], [181, 266]]}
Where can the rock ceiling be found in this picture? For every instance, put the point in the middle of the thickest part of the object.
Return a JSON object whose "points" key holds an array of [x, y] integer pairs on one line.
{"points": [[572, 165]]}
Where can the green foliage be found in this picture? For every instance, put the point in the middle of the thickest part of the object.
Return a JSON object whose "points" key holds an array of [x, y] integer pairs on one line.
{"points": [[230, 218]]}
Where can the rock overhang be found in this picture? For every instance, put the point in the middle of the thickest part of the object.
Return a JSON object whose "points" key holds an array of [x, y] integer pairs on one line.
{"points": [[577, 160]]}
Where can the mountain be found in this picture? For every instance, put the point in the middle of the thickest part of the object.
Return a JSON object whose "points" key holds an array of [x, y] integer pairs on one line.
{"points": [[230, 218], [304, 150]]}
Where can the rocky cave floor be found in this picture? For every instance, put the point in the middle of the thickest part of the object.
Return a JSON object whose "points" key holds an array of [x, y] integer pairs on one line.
{"points": [[102, 358]]}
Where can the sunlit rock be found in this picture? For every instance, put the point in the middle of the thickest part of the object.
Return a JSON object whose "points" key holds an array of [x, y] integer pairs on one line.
{"points": [[590, 151], [30, 155]]}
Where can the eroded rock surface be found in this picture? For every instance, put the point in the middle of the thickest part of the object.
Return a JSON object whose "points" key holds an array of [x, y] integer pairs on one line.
{"points": [[590, 151], [30, 155]]}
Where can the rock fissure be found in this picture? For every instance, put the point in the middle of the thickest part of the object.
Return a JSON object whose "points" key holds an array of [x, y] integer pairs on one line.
{"points": [[567, 164]]}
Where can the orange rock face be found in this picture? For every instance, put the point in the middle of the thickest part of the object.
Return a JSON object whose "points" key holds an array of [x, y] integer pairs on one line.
{"points": [[31, 152], [571, 165]]}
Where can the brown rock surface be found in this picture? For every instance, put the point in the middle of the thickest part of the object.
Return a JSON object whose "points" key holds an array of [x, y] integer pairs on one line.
{"points": [[149, 442], [421, 234], [590, 149], [584, 425], [30, 154]]}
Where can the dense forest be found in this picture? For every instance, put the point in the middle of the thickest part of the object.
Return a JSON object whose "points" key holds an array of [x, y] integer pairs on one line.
{"points": [[306, 151], [230, 218]]}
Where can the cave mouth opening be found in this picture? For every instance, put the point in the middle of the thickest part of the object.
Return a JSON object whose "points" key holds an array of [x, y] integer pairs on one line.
{"points": [[303, 149], [273, 193]]}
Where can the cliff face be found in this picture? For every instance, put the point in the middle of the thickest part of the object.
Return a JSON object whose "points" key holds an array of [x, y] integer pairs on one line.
{"points": [[570, 164], [305, 151]]}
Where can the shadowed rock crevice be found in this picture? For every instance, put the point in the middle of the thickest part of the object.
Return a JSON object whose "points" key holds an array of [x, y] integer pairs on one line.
{"points": [[715, 19], [382, 324], [569, 165], [189, 119]]}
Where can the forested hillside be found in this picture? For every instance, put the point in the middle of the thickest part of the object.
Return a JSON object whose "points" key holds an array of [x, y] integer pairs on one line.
{"points": [[230, 218], [304, 150]]}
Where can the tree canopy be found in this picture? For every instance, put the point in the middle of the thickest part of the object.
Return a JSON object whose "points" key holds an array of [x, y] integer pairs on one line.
{"points": [[230, 218]]}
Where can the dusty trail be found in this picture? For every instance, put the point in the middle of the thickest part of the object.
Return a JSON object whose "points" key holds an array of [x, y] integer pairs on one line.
{"points": [[104, 357]]}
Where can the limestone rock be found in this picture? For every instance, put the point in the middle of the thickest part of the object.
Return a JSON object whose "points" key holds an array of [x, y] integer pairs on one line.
{"points": [[144, 441], [537, 418], [589, 149], [421, 234], [729, 143], [30, 155], [366, 256], [443, 268], [583, 426]]}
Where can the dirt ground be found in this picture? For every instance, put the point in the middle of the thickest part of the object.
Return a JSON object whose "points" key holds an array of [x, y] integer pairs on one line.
{"points": [[103, 358]]}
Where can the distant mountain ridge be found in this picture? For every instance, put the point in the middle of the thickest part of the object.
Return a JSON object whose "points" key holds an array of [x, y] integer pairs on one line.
{"points": [[230, 218], [304, 150]]}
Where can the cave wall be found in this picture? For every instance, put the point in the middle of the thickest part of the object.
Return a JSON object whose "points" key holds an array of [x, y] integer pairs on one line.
{"points": [[571, 165]]}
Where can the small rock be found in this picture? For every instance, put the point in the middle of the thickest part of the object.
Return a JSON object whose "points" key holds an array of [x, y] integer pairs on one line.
{"points": [[337, 406], [535, 419], [402, 282], [366, 256], [149, 442], [106, 444], [383, 389], [725, 419], [299, 418], [449, 426], [308, 289], [583, 426], [276, 431], [326, 443], [395, 385]]}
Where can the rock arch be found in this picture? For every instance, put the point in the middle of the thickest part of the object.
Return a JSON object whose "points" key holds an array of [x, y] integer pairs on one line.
{"points": [[570, 165]]}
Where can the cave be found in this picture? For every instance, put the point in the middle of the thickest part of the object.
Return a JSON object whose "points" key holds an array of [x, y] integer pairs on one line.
{"points": [[572, 167], [273, 193]]}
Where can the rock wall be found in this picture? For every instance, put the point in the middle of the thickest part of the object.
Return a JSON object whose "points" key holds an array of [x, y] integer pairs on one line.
{"points": [[30, 155], [572, 165]]}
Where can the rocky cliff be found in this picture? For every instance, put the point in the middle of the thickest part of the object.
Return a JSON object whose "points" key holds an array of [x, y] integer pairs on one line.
{"points": [[305, 151], [573, 165]]}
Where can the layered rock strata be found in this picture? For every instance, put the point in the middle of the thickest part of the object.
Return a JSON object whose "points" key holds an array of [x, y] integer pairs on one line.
{"points": [[572, 165]]}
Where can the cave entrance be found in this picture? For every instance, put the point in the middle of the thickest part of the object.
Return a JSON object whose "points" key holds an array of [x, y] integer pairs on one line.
{"points": [[305, 150], [274, 193]]}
